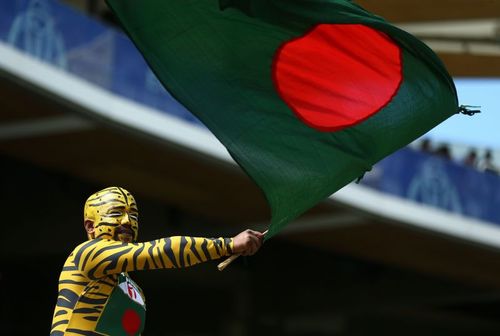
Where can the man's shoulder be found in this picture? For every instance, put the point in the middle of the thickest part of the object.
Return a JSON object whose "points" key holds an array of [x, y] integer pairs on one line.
{"points": [[92, 244], [86, 251]]}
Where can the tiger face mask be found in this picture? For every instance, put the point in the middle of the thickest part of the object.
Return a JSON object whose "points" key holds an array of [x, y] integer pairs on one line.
{"points": [[112, 214]]}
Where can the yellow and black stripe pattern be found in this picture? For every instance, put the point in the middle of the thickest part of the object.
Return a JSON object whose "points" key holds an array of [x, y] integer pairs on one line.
{"points": [[90, 273]]}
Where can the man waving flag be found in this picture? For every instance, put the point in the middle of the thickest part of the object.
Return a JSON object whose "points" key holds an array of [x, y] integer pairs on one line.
{"points": [[306, 95]]}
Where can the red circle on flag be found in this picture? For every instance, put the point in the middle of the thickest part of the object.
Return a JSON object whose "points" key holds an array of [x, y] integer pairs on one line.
{"points": [[337, 75], [131, 322]]}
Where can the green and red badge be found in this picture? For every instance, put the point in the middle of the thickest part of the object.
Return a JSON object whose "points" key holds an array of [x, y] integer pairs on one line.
{"points": [[125, 310]]}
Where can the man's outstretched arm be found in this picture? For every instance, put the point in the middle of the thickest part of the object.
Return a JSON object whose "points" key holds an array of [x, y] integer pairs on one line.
{"points": [[100, 257]]}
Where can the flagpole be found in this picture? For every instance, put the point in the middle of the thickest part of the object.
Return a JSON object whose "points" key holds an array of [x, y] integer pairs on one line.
{"points": [[229, 260]]}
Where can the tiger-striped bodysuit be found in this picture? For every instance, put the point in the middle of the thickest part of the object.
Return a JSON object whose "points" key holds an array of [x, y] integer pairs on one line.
{"points": [[91, 272]]}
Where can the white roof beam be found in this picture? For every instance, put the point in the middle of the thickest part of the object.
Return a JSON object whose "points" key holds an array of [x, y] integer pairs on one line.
{"points": [[476, 37], [463, 29]]}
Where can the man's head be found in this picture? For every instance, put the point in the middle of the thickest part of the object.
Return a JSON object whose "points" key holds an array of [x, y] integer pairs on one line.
{"points": [[112, 214]]}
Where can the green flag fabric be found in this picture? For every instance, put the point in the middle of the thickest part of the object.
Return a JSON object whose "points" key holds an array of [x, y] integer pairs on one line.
{"points": [[306, 95]]}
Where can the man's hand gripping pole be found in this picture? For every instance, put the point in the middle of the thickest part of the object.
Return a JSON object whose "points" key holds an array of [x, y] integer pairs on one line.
{"points": [[229, 260]]}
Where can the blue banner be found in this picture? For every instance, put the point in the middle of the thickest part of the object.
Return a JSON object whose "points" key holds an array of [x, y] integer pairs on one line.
{"points": [[65, 38], [57, 34], [432, 180]]}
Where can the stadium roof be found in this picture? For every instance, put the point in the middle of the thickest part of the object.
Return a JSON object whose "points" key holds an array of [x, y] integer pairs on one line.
{"points": [[467, 54], [441, 24]]}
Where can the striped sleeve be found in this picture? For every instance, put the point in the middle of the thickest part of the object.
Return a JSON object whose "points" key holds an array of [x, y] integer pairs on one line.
{"points": [[100, 257]]}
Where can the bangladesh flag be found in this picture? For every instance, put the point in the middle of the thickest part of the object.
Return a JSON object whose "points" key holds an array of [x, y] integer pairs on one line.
{"points": [[306, 95]]}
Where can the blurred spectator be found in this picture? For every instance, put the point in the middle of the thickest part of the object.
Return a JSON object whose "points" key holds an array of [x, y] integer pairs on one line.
{"points": [[487, 164], [443, 151], [471, 158], [425, 146]]}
